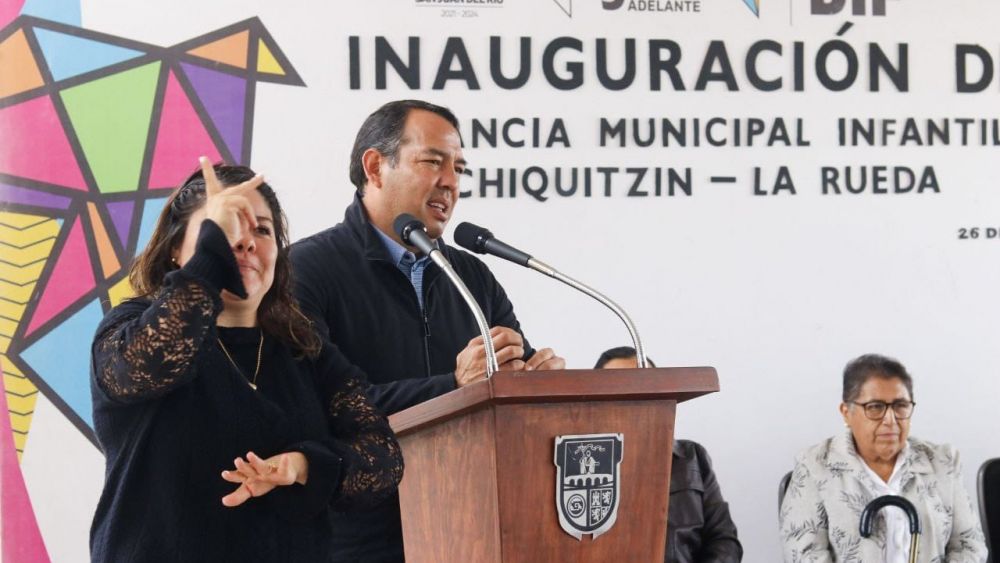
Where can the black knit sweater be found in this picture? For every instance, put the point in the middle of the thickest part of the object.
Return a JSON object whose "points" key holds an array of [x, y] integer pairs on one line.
{"points": [[171, 412]]}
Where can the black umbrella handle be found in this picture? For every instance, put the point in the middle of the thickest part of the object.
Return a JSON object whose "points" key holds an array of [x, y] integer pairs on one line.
{"points": [[868, 514]]}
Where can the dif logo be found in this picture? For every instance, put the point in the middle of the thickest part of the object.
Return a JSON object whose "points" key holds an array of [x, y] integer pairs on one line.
{"points": [[858, 7]]}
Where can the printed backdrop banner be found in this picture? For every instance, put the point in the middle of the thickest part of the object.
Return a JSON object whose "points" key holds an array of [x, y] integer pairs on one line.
{"points": [[770, 187]]}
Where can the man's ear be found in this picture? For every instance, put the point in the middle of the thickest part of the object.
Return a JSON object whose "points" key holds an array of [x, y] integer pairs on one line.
{"points": [[371, 162]]}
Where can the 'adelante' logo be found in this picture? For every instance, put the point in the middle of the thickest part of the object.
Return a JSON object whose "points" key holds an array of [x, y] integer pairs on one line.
{"points": [[668, 5]]}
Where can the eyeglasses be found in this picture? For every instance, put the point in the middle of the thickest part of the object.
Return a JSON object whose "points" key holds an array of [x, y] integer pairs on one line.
{"points": [[875, 410]]}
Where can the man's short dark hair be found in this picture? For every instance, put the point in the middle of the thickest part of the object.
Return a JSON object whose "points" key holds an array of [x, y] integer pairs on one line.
{"points": [[859, 370], [383, 131], [619, 353]]}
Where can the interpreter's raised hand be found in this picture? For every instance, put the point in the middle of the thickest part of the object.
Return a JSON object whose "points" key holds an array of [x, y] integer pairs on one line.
{"points": [[470, 364], [257, 477], [229, 207], [545, 359]]}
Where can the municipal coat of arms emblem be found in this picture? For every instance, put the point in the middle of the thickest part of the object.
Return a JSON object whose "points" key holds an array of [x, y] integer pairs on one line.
{"points": [[588, 482]]}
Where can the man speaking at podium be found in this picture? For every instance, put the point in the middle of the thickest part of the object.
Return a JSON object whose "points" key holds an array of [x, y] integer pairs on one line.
{"points": [[388, 308]]}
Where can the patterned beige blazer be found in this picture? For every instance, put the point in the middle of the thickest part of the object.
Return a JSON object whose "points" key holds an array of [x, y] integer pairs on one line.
{"points": [[830, 487]]}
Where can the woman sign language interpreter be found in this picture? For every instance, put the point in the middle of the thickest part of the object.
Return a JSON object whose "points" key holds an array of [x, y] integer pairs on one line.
{"points": [[213, 368], [232, 212]]}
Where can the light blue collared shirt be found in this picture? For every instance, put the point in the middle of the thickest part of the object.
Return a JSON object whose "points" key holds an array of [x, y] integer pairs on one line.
{"points": [[407, 263]]}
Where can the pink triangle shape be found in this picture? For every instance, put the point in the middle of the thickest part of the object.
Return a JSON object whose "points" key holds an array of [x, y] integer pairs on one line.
{"points": [[182, 138], [20, 539], [9, 10], [70, 280], [35, 146]]}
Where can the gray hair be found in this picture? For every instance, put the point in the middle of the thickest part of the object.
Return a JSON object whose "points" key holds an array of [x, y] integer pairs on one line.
{"points": [[859, 370]]}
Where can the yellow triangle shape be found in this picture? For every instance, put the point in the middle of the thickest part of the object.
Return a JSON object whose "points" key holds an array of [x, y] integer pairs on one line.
{"points": [[231, 50], [120, 291], [266, 62]]}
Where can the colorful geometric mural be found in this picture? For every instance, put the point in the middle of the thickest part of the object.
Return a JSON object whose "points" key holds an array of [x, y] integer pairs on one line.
{"points": [[20, 538], [94, 131], [10, 10]]}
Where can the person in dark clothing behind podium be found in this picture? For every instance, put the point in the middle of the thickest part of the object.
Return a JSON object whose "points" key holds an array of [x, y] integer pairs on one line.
{"points": [[699, 527], [389, 309], [230, 430]]}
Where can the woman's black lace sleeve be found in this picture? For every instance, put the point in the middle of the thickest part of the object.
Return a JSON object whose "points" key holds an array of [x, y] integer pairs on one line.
{"points": [[144, 349], [372, 462]]}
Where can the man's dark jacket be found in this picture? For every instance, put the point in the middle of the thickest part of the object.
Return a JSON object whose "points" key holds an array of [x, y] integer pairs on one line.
{"points": [[345, 280], [699, 528]]}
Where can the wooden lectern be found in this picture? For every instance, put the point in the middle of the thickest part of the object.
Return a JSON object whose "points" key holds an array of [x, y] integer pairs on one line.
{"points": [[480, 480]]}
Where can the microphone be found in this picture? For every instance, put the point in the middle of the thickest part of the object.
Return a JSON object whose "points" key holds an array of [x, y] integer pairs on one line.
{"points": [[414, 233], [481, 241]]}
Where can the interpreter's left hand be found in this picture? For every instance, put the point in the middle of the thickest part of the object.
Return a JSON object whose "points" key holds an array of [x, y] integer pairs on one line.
{"points": [[257, 477], [544, 359]]}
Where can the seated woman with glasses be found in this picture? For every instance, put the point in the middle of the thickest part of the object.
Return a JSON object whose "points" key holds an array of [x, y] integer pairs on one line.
{"points": [[834, 481]]}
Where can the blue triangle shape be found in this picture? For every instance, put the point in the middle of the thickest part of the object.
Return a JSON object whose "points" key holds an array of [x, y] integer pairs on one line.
{"points": [[68, 55], [62, 359], [62, 11], [150, 213]]}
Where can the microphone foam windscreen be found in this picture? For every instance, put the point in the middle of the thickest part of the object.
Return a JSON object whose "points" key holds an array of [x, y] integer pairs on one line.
{"points": [[405, 223], [471, 237]]}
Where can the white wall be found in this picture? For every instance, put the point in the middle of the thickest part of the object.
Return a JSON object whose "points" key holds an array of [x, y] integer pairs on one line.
{"points": [[776, 292]]}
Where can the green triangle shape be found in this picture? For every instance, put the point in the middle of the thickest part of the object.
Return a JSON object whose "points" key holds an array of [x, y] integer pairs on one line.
{"points": [[111, 118]]}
